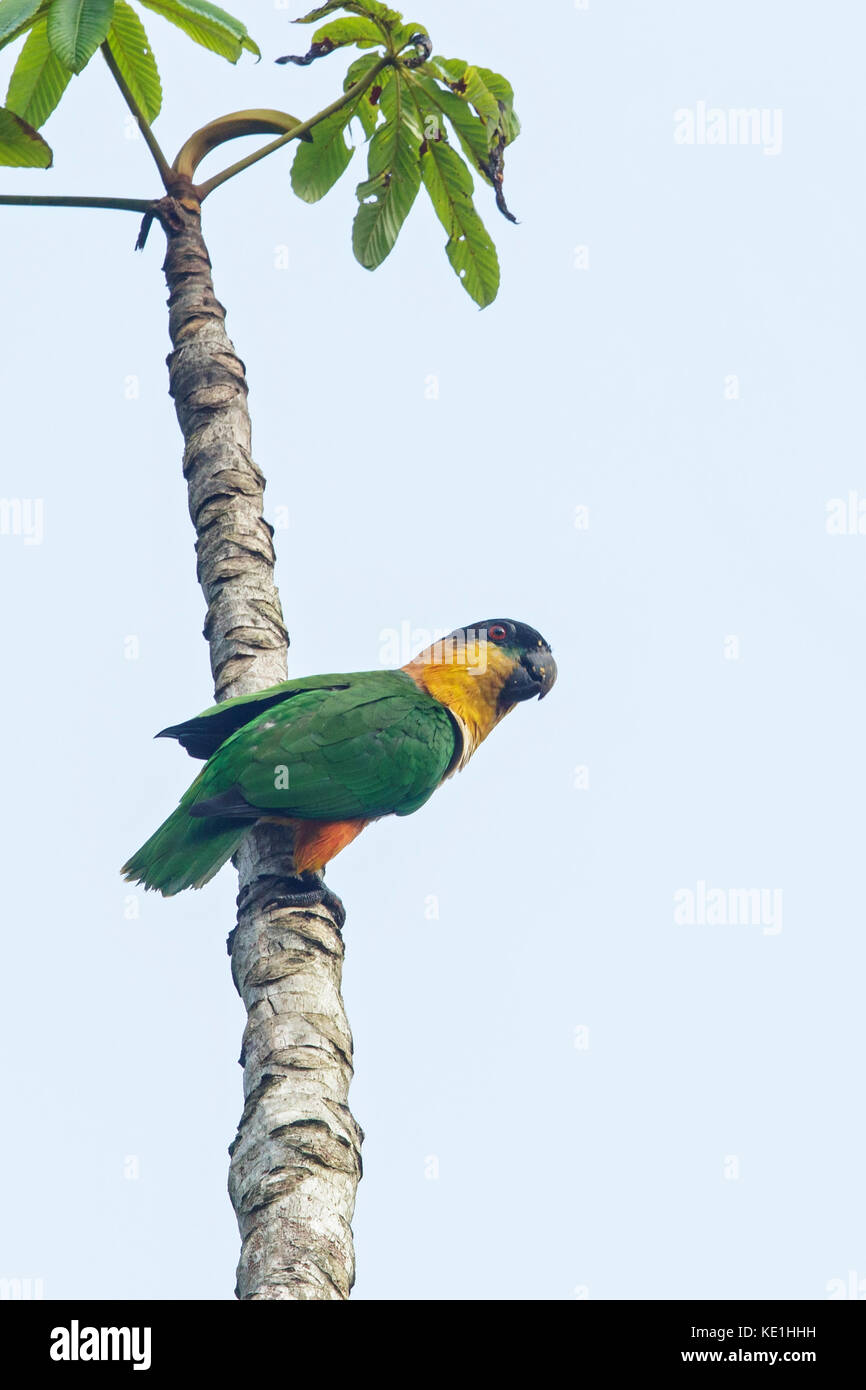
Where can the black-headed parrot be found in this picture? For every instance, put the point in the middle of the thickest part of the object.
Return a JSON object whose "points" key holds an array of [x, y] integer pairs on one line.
{"points": [[329, 754]]}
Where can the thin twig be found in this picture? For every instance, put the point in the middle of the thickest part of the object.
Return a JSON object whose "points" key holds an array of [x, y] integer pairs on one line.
{"points": [[139, 205]]}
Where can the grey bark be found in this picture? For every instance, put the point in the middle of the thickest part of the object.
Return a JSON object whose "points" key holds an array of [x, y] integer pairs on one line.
{"points": [[296, 1159]]}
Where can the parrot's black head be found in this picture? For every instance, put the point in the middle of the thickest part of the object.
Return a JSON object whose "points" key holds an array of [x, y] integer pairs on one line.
{"points": [[518, 654], [481, 671]]}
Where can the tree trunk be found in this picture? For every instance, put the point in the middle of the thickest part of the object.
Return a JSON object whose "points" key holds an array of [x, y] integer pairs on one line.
{"points": [[296, 1159]]}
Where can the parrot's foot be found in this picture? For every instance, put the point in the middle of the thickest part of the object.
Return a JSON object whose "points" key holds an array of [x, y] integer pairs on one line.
{"points": [[310, 890], [300, 890], [333, 903]]}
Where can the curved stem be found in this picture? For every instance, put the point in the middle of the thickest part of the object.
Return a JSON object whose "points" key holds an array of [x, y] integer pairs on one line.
{"points": [[150, 139], [259, 121], [139, 205], [203, 189]]}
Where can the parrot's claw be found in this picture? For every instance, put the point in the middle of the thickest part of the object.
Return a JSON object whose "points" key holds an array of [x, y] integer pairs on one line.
{"points": [[300, 890], [312, 891], [334, 904]]}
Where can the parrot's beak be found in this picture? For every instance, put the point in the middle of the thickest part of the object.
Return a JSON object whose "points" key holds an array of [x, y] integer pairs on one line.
{"points": [[533, 675], [542, 669]]}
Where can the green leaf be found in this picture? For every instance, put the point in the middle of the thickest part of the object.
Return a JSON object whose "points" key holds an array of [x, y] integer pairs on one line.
{"points": [[504, 92], [318, 165], [484, 90], [469, 128], [38, 79], [207, 25], [479, 95], [41, 13], [449, 69], [131, 51], [76, 28], [469, 247], [498, 85], [359, 68], [339, 32], [16, 16], [335, 35], [449, 183], [485, 136], [406, 32], [320, 11], [386, 197], [466, 82], [367, 107], [371, 9], [22, 147]]}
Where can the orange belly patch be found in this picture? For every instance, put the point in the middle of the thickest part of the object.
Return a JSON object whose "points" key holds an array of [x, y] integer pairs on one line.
{"points": [[317, 842]]}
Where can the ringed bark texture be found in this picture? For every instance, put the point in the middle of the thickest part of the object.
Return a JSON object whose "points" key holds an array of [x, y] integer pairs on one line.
{"points": [[234, 544], [296, 1158]]}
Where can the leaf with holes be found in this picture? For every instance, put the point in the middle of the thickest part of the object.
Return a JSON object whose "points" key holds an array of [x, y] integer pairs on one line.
{"points": [[469, 128], [469, 247], [465, 81], [504, 93], [449, 184], [461, 91], [38, 79], [368, 106], [207, 25], [131, 51], [393, 163], [490, 94]]}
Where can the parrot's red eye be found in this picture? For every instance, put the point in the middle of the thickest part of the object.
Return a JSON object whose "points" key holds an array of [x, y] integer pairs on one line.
{"points": [[497, 633]]}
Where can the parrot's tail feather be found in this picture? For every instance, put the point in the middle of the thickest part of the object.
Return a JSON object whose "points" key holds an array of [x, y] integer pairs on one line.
{"points": [[184, 852]]}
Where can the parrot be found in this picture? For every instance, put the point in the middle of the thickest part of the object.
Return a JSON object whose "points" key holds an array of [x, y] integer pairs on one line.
{"points": [[326, 755]]}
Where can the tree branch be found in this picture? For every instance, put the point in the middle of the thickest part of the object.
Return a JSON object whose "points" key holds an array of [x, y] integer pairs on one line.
{"points": [[358, 88], [296, 1160], [26, 200], [150, 139]]}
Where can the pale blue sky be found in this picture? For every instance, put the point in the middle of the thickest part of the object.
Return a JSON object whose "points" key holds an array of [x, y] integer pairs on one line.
{"points": [[709, 1140]]}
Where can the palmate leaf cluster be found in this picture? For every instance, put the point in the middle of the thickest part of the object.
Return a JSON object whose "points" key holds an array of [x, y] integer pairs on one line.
{"points": [[60, 38], [427, 121]]}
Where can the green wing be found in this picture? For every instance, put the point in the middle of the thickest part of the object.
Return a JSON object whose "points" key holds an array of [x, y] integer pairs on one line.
{"points": [[371, 745], [202, 736]]}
